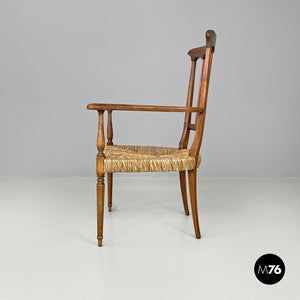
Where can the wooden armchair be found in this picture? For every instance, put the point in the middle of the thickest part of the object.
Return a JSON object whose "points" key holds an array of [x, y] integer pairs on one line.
{"points": [[112, 158]]}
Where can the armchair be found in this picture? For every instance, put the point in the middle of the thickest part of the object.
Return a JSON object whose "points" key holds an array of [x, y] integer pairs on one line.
{"points": [[112, 158]]}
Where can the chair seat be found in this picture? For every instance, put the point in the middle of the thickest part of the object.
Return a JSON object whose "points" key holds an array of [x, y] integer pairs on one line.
{"points": [[147, 159]]}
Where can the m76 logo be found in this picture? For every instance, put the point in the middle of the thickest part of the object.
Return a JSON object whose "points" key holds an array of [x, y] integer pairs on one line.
{"points": [[269, 269]]}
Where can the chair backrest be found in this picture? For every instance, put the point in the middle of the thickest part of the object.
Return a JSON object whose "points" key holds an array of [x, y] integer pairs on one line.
{"points": [[206, 54]]}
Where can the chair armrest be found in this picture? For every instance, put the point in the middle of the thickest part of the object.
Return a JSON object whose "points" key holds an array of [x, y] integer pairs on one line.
{"points": [[111, 107]]}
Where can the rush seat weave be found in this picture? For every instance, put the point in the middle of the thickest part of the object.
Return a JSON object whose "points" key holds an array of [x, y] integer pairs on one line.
{"points": [[147, 159]]}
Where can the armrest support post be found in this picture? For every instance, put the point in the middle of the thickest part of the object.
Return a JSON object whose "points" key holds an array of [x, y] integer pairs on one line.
{"points": [[100, 144]]}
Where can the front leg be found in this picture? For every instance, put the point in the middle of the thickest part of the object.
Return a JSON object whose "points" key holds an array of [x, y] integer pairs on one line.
{"points": [[100, 207], [100, 178]]}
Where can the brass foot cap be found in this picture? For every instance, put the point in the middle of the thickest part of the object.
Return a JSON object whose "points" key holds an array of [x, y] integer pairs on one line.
{"points": [[99, 243], [109, 208]]}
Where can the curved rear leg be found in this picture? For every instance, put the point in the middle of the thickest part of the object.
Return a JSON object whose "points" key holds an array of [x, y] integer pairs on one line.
{"points": [[193, 197], [183, 191], [109, 189]]}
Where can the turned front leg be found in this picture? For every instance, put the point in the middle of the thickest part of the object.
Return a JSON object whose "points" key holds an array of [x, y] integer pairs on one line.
{"points": [[100, 178], [100, 207]]}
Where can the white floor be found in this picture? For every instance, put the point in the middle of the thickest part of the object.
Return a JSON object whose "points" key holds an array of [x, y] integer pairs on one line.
{"points": [[48, 246]]}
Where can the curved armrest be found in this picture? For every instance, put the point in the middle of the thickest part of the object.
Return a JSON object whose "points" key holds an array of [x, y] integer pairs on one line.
{"points": [[111, 107]]}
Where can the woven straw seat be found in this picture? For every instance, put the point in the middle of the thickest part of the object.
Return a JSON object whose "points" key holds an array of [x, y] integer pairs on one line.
{"points": [[147, 159]]}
